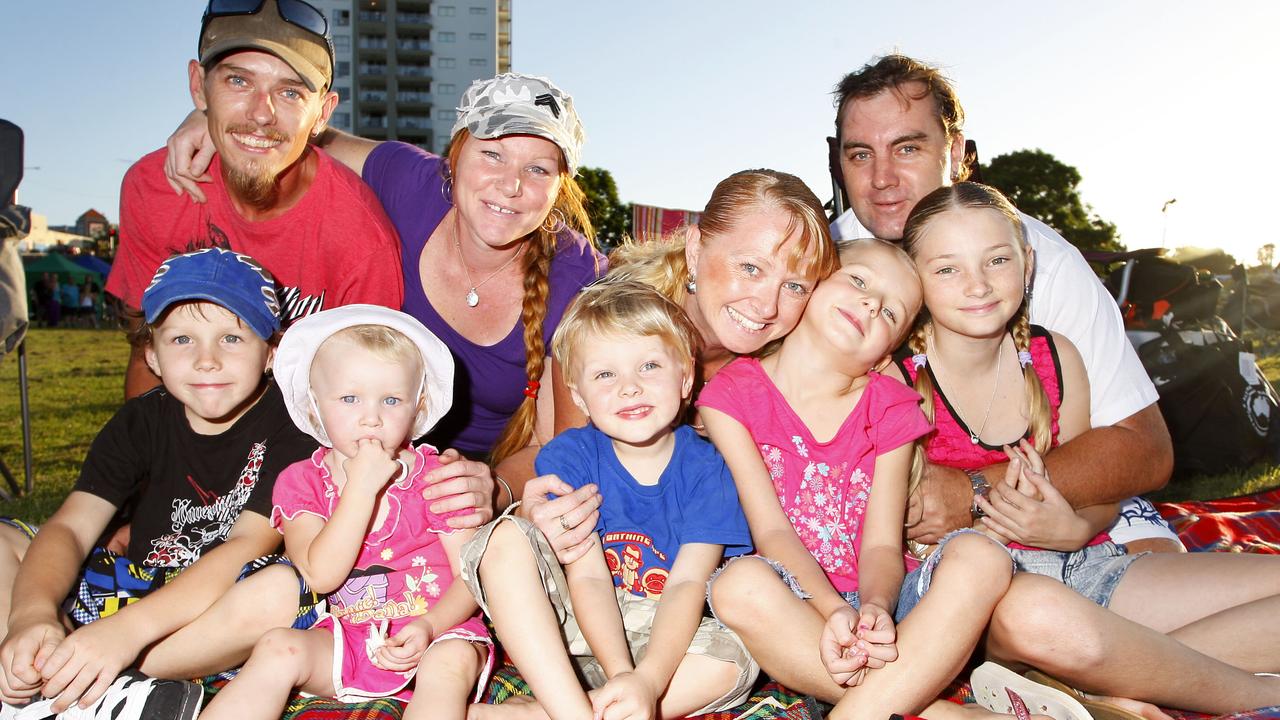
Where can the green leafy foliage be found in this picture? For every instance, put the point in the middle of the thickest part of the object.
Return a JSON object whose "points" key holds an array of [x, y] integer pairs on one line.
{"points": [[610, 216], [1047, 189]]}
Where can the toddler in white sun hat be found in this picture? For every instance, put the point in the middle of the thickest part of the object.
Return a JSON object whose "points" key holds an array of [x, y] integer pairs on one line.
{"points": [[364, 381]]}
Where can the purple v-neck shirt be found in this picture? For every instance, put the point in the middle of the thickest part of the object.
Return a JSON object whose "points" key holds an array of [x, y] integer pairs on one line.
{"points": [[490, 379]]}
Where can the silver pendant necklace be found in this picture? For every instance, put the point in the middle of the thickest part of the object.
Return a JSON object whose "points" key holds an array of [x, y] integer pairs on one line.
{"points": [[473, 296], [973, 436]]}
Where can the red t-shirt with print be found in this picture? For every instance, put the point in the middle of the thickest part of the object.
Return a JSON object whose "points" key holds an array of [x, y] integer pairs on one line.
{"points": [[335, 247]]}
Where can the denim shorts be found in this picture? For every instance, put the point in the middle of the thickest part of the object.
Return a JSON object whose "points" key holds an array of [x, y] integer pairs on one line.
{"points": [[914, 585], [1094, 571]]}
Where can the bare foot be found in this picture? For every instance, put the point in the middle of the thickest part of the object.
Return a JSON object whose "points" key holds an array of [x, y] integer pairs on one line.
{"points": [[1145, 709]]}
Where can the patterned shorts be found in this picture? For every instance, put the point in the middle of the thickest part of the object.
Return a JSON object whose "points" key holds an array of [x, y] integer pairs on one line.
{"points": [[20, 526], [109, 582], [711, 639]]}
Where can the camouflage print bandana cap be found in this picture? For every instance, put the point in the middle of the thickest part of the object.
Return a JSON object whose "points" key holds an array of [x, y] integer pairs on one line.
{"points": [[516, 104]]}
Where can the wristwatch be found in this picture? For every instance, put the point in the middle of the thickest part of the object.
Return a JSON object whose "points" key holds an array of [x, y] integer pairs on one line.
{"points": [[981, 488]]}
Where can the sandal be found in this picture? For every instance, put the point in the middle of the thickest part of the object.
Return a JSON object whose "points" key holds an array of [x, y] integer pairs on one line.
{"points": [[1099, 709], [1002, 690]]}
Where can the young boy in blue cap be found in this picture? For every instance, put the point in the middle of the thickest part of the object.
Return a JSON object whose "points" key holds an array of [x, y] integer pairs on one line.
{"points": [[194, 463]]}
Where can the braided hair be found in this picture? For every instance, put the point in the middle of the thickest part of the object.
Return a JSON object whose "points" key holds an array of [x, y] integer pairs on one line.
{"points": [[569, 212]]}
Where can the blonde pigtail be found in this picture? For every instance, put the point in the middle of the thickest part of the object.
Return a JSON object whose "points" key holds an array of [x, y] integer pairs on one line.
{"points": [[924, 385], [1039, 412]]}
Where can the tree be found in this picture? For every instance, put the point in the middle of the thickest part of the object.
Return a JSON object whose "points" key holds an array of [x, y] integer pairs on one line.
{"points": [[1046, 188], [1267, 255], [610, 216]]}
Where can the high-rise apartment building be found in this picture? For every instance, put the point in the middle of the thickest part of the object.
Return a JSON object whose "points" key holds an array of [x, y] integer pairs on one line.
{"points": [[402, 65]]}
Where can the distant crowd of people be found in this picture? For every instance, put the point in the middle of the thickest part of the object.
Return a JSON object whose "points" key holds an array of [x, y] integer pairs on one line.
{"points": [[57, 303]]}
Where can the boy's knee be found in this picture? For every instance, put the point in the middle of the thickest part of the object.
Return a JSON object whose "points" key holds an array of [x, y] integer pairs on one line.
{"points": [[265, 600], [734, 591], [507, 544]]}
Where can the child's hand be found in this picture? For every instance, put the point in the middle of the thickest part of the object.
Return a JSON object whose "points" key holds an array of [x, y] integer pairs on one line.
{"points": [[402, 651], [372, 467], [86, 662], [876, 636], [1030, 510], [627, 696], [843, 659], [23, 651]]}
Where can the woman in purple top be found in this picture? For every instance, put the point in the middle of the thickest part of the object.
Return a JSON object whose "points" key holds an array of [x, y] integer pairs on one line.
{"points": [[495, 241]]}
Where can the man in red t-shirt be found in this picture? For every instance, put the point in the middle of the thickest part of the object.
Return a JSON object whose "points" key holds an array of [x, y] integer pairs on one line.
{"points": [[263, 81]]}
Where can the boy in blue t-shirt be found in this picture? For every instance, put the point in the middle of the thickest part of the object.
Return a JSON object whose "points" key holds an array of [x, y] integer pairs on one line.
{"points": [[630, 609]]}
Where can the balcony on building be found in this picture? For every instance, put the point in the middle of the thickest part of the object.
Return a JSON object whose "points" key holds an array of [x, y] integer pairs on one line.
{"points": [[372, 98], [372, 46], [414, 99], [413, 20], [371, 15], [416, 74], [373, 69], [410, 48], [413, 122]]}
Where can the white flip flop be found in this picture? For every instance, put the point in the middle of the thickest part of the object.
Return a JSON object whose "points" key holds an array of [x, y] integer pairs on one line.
{"points": [[998, 689]]}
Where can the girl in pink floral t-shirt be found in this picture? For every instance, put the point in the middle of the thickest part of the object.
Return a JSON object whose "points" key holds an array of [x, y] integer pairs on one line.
{"points": [[820, 446]]}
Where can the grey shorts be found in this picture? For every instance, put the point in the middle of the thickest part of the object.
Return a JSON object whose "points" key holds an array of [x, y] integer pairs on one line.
{"points": [[1094, 571], [711, 639]]}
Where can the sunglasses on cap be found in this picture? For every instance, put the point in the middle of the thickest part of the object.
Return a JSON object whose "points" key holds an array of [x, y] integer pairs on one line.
{"points": [[294, 12]]}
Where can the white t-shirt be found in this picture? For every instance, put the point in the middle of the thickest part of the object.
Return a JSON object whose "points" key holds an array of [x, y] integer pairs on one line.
{"points": [[1068, 298]]}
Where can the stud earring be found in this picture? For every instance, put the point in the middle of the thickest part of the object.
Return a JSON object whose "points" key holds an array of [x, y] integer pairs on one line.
{"points": [[691, 285]]}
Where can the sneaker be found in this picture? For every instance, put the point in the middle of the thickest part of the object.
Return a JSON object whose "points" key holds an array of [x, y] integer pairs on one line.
{"points": [[37, 709], [133, 696]]}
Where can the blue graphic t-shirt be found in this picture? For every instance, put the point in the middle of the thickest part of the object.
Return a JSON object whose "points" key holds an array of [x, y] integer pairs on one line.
{"points": [[643, 526]]}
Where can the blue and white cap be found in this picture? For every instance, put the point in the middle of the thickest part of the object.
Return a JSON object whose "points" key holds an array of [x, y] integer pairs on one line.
{"points": [[234, 281]]}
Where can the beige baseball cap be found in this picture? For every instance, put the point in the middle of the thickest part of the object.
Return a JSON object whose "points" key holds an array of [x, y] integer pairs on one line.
{"points": [[292, 30]]}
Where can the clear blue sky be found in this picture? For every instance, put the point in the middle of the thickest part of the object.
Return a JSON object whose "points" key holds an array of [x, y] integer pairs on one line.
{"points": [[1150, 100]]}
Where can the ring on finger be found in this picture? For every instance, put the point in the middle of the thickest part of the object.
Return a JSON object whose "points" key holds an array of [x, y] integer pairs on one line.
{"points": [[564, 525]]}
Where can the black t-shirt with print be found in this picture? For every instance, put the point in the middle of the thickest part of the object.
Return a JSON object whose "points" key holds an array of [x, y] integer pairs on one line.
{"points": [[189, 488]]}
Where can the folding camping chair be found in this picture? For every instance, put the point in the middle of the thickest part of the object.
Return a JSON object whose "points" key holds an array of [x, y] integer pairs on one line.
{"points": [[15, 223]]}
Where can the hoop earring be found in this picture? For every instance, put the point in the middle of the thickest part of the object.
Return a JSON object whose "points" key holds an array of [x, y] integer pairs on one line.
{"points": [[446, 189], [557, 221], [691, 285]]}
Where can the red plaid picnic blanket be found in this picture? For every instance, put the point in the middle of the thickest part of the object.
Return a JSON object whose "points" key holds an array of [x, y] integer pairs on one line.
{"points": [[1244, 524]]}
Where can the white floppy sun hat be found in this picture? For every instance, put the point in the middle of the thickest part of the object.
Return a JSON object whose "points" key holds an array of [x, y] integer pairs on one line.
{"points": [[298, 347]]}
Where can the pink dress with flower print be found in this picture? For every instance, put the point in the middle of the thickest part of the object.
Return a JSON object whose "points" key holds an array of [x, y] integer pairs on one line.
{"points": [[823, 487]]}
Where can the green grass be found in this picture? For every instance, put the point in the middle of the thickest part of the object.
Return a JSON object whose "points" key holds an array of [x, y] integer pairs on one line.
{"points": [[77, 382]]}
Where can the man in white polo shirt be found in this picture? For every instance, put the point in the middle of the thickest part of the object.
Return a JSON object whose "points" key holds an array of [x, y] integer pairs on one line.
{"points": [[899, 127]]}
